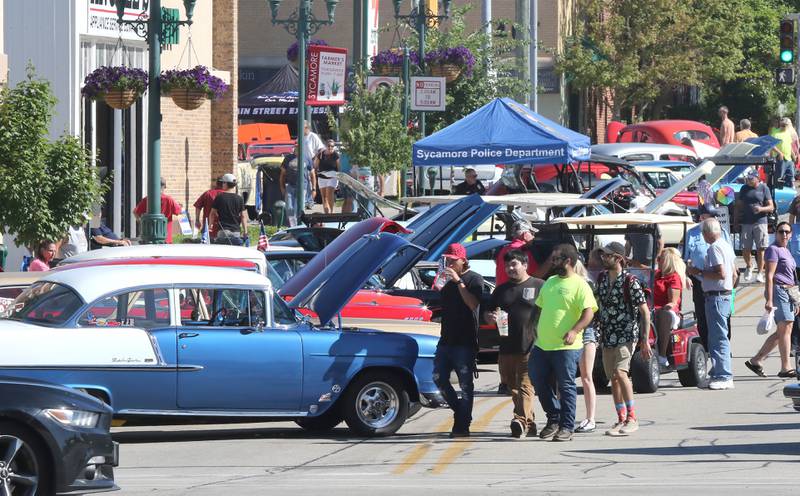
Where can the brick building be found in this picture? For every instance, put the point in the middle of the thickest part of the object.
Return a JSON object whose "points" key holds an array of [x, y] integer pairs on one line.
{"points": [[81, 35], [262, 47]]}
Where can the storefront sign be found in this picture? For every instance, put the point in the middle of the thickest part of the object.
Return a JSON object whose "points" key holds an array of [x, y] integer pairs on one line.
{"points": [[427, 93], [327, 67], [102, 17]]}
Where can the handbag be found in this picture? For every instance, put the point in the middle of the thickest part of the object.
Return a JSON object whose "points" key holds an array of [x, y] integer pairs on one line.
{"points": [[794, 295]]}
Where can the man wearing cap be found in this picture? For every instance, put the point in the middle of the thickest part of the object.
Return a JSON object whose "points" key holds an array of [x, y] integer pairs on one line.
{"points": [[470, 185], [458, 342], [203, 204], [169, 208], [753, 205], [623, 319], [567, 306], [523, 233], [228, 214]]}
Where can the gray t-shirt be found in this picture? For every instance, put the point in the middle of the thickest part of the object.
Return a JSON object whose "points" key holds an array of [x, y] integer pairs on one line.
{"points": [[752, 197], [720, 253], [642, 245]]}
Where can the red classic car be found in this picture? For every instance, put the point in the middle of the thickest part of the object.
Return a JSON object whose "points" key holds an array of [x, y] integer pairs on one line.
{"points": [[670, 132]]}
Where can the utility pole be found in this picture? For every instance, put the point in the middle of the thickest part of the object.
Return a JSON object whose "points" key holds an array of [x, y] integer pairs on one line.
{"points": [[534, 55], [523, 19]]}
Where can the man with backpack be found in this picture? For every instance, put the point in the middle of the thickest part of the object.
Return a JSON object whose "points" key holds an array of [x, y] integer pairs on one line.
{"points": [[288, 181], [622, 320]]}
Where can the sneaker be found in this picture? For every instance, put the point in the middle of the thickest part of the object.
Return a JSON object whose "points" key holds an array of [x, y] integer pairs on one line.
{"points": [[586, 425], [459, 433], [663, 361], [748, 274], [630, 425], [563, 435], [616, 430], [760, 277], [517, 429], [720, 384], [532, 430], [548, 431]]}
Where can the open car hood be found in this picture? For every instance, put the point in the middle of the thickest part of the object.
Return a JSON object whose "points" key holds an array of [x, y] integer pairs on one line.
{"points": [[341, 278], [437, 228], [668, 194], [336, 247]]}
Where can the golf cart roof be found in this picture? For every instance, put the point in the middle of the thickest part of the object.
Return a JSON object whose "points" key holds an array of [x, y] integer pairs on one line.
{"points": [[535, 200], [623, 219]]}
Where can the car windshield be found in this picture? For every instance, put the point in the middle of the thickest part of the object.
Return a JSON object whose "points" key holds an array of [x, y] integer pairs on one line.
{"points": [[45, 303]]}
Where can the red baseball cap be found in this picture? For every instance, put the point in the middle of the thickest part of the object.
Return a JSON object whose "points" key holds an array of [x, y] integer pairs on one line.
{"points": [[456, 251]]}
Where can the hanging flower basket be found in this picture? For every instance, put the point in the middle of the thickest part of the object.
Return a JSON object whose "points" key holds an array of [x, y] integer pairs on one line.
{"points": [[188, 99], [387, 70], [120, 99], [450, 72], [390, 62], [118, 86], [451, 62], [191, 87]]}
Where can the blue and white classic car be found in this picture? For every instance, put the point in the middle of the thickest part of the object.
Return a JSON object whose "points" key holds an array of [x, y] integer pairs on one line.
{"points": [[187, 342]]}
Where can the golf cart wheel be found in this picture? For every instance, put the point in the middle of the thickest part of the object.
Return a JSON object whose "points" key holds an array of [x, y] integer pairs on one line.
{"points": [[645, 374], [696, 371]]}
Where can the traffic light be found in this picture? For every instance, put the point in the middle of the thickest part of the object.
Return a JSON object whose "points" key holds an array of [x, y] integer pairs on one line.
{"points": [[787, 41]]}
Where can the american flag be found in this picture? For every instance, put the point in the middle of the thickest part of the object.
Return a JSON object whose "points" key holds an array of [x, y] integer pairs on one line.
{"points": [[263, 242]]}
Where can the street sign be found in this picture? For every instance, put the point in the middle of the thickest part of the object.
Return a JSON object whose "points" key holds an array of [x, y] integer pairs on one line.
{"points": [[375, 82], [784, 75], [427, 93]]}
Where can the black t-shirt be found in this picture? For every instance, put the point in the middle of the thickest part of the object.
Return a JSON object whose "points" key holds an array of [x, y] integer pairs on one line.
{"points": [[229, 207], [752, 197], [465, 188], [327, 163], [517, 299], [459, 323]]}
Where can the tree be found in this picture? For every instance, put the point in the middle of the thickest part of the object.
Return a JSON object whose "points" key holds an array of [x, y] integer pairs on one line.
{"points": [[371, 129], [45, 187], [641, 50]]}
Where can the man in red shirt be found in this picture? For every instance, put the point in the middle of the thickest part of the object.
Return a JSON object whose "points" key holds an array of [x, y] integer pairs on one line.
{"points": [[204, 203], [169, 208], [524, 234]]}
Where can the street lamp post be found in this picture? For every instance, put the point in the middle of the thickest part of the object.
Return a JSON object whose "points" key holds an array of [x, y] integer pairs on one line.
{"points": [[418, 18], [154, 29], [302, 24]]}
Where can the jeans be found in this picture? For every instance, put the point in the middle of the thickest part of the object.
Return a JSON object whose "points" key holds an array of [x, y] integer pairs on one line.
{"points": [[699, 300], [718, 310], [560, 365], [291, 206], [462, 360]]}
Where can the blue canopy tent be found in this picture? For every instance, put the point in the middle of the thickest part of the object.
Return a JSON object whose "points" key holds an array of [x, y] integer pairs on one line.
{"points": [[501, 132]]}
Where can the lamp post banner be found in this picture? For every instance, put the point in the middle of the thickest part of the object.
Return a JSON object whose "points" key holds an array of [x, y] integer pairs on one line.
{"points": [[327, 67]]}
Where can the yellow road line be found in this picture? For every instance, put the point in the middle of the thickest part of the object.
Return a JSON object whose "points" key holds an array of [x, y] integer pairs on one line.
{"points": [[744, 306], [421, 450], [453, 452]]}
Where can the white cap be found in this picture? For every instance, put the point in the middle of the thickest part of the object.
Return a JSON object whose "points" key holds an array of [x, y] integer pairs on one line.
{"points": [[228, 178]]}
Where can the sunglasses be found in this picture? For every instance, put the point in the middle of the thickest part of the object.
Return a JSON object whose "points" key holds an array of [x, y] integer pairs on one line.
{"points": [[784, 231]]}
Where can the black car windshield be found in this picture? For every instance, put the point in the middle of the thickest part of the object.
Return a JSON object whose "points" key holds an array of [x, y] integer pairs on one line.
{"points": [[45, 303]]}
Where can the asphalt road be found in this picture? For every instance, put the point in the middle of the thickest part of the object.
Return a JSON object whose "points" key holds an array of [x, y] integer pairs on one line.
{"points": [[691, 440]]}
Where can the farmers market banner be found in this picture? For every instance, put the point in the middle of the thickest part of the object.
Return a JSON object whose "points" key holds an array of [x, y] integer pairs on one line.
{"points": [[326, 73]]}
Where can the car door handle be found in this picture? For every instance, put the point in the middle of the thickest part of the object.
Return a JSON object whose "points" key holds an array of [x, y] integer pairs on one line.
{"points": [[184, 335]]}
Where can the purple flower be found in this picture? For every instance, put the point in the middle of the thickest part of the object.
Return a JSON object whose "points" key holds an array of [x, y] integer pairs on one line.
{"points": [[108, 78], [459, 55], [293, 51], [196, 78], [393, 57]]}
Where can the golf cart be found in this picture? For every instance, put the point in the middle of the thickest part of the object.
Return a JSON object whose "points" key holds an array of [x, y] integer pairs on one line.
{"points": [[685, 352]]}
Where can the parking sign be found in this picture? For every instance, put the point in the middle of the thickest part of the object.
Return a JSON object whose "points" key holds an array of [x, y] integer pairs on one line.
{"points": [[427, 93]]}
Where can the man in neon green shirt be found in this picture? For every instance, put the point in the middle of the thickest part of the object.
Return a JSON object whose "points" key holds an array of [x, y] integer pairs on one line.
{"points": [[784, 151], [567, 306]]}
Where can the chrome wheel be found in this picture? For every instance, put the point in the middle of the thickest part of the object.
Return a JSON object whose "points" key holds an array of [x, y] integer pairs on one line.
{"points": [[19, 470], [377, 404]]}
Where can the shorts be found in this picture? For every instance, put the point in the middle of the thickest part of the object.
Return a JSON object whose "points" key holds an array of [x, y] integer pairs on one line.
{"points": [[589, 336], [325, 182], [617, 358], [784, 310], [755, 233]]}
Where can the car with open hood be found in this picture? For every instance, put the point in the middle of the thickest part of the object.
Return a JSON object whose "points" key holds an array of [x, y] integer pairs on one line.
{"points": [[187, 343]]}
